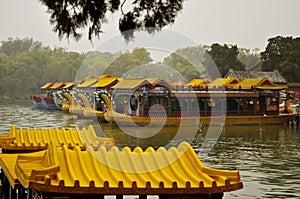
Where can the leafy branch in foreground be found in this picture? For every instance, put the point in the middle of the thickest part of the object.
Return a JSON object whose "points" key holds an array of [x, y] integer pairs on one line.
{"points": [[69, 17]]}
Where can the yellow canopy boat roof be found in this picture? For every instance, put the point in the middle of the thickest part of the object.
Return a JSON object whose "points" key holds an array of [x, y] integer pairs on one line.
{"points": [[226, 82], [47, 85], [259, 83], [106, 81], [131, 83], [87, 83], [38, 139], [72, 170], [57, 85], [199, 82], [68, 85], [135, 83], [161, 82]]}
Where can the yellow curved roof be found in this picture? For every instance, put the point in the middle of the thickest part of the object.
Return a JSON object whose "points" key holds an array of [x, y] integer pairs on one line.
{"points": [[38, 139], [47, 85], [72, 170], [105, 81], [87, 83], [57, 85], [68, 85], [260, 83], [199, 82], [223, 82], [161, 82], [131, 83]]}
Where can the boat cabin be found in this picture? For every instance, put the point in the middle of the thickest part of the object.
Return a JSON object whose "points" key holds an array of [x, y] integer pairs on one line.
{"points": [[230, 96]]}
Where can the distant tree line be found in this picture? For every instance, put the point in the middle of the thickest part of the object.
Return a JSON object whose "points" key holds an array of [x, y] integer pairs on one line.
{"points": [[25, 64]]}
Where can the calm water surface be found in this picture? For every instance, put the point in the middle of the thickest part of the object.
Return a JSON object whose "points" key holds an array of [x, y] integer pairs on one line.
{"points": [[268, 158]]}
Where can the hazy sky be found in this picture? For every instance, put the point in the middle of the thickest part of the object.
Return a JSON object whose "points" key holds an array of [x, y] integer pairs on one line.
{"points": [[247, 23]]}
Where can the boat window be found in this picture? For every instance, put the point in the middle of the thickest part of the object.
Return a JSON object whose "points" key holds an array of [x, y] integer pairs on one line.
{"points": [[175, 104], [133, 102], [271, 101]]}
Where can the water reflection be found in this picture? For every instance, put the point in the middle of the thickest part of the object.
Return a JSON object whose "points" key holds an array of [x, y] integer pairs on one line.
{"points": [[130, 136], [268, 158]]}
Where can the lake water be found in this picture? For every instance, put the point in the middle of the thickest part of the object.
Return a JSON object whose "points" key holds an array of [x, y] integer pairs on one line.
{"points": [[267, 157]]}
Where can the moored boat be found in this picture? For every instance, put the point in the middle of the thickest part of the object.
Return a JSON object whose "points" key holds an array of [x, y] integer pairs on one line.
{"points": [[74, 106], [127, 120], [249, 102], [48, 102], [89, 111], [60, 101], [46, 99], [89, 93], [37, 100]]}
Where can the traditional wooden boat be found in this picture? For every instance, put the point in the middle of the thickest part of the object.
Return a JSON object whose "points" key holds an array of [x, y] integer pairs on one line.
{"points": [[46, 99], [48, 102], [37, 101], [89, 93], [129, 120], [88, 111], [254, 102], [74, 106], [60, 101], [43, 101]]}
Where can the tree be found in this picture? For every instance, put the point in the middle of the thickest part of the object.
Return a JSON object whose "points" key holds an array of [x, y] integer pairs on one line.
{"points": [[25, 65], [186, 62], [250, 59], [70, 16], [282, 54], [191, 62], [128, 61], [225, 58], [17, 45], [94, 64]]}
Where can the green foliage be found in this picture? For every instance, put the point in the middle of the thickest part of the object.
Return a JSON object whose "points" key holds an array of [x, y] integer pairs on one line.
{"points": [[118, 64], [94, 64], [206, 62], [70, 16], [190, 62], [125, 62], [17, 45], [283, 54], [248, 58], [225, 58], [25, 65], [24, 71]]}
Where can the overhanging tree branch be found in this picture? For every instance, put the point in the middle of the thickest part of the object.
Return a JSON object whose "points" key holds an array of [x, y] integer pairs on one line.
{"points": [[69, 17]]}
